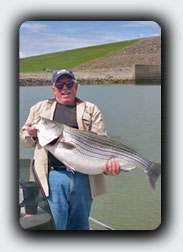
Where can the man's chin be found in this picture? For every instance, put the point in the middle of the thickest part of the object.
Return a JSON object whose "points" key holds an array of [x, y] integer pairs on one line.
{"points": [[67, 101]]}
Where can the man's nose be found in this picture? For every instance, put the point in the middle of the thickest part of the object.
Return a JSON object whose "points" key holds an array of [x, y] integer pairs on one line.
{"points": [[65, 87]]}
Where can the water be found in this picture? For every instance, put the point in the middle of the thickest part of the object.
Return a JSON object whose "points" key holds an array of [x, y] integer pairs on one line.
{"points": [[133, 115]]}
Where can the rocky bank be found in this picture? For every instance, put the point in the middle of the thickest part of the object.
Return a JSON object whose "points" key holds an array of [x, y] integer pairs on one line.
{"points": [[117, 76]]}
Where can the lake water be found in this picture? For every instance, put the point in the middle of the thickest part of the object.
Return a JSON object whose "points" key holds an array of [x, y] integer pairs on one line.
{"points": [[133, 115]]}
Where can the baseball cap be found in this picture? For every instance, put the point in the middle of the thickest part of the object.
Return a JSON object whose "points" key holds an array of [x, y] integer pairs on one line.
{"points": [[60, 73]]}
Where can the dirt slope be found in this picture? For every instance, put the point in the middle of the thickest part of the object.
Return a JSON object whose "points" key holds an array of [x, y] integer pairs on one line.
{"points": [[146, 51]]}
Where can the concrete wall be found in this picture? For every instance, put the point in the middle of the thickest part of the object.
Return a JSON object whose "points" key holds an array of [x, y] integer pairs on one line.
{"points": [[147, 74]]}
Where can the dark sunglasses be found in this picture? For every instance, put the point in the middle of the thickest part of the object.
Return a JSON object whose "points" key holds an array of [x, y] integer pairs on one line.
{"points": [[69, 84]]}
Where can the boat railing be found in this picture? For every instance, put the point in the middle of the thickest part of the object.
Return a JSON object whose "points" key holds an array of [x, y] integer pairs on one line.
{"points": [[101, 224]]}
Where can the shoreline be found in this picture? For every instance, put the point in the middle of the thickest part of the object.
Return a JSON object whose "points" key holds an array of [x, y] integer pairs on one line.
{"points": [[37, 82], [122, 76]]}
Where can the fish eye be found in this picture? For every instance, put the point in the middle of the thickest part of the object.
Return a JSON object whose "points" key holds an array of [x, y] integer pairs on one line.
{"points": [[45, 121], [53, 124]]}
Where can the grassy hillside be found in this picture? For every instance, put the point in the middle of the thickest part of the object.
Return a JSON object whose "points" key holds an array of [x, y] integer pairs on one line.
{"points": [[71, 58]]}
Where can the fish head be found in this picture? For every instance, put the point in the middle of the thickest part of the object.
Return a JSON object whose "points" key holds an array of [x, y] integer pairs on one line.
{"points": [[47, 130]]}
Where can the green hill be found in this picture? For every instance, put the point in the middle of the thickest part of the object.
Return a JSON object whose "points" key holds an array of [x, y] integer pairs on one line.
{"points": [[71, 58]]}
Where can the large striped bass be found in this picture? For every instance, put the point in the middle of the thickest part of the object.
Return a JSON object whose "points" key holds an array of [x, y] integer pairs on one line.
{"points": [[87, 152]]}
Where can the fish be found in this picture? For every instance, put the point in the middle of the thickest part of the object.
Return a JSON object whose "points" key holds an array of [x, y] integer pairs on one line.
{"points": [[87, 152]]}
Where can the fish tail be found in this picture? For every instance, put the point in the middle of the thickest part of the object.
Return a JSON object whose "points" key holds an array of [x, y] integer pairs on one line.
{"points": [[153, 173]]}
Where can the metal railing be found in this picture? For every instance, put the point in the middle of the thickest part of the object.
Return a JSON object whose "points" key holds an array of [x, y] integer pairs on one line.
{"points": [[100, 224]]}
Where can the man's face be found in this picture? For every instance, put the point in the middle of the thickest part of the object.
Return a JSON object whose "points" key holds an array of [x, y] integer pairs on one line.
{"points": [[65, 96]]}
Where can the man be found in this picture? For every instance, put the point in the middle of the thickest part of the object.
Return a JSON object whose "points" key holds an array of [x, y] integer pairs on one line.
{"points": [[69, 195]]}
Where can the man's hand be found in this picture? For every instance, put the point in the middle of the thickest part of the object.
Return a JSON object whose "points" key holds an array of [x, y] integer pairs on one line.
{"points": [[112, 167], [32, 131]]}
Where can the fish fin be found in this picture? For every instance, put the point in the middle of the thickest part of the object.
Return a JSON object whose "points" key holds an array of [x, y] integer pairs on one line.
{"points": [[127, 169], [69, 168], [67, 145], [153, 173], [126, 166]]}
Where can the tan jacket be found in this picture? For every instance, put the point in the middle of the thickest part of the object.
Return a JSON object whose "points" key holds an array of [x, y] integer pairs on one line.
{"points": [[89, 118]]}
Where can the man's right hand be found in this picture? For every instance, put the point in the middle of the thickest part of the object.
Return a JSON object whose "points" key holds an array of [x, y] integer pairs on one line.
{"points": [[32, 131]]}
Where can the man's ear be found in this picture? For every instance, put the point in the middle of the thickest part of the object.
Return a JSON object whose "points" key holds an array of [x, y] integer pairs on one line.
{"points": [[53, 89], [76, 86]]}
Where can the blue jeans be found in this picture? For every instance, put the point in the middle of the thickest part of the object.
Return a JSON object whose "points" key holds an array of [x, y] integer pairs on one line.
{"points": [[69, 200]]}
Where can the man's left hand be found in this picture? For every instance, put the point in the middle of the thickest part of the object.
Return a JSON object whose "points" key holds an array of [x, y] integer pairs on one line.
{"points": [[112, 167]]}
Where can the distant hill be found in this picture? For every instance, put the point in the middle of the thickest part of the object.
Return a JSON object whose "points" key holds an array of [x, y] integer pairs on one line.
{"points": [[72, 58], [145, 51]]}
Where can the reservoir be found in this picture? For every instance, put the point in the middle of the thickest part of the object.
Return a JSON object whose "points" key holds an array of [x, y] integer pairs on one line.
{"points": [[132, 114]]}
